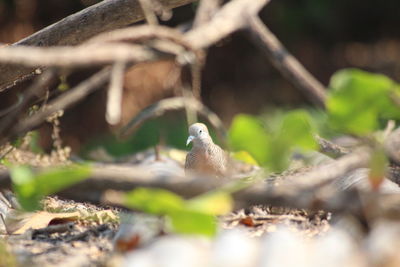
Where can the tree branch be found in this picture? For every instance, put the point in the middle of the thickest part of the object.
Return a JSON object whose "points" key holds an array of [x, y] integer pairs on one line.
{"points": [[78, 27], [229, 19], [287, 64]]}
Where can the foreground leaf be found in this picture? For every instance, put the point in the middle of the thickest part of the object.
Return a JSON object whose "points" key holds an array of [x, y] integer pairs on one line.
{"points": [[213, 203], [245, 157], [194, 216], [30, 188], [156, 201], [193, 222]]}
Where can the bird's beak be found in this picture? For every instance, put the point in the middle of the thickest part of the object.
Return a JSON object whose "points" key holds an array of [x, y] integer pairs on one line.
{"points": [[190, 138]]}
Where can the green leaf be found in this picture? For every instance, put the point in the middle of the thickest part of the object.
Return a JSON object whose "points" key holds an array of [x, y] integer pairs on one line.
{"points": [[24, 186], [298, 130], [245, 157], [187, 217], [358, 99], [295, 131], [54, 180], [247, 133], [273, 147], [213, 203], [193, 222], [30, 188], [157, 201]]}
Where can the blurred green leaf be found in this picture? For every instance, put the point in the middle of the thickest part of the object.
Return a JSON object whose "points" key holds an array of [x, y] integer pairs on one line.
{"points": [[358, 99], [30, 188], [298, 130], [194, 216], [272, 147], [245, 157], [213, 203], [157, 201], [247, 133], [24, 186], [193, 222]]}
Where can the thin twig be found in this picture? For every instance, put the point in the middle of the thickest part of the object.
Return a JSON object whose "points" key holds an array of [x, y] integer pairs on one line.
{"points": [[35, 90], [148, 12], [392, 146], [288, 65], [146, 33], [174, 103], [205, 11], [71, 97], [13, 107], [114, 97], [391, 124], [229, 19]]}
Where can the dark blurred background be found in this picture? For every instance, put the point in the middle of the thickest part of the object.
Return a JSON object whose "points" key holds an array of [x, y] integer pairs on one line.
{"points": [[325, 36]]}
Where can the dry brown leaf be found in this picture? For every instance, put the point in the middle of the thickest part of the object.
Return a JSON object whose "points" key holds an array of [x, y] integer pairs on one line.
{"points": [[18, 222], [247, 221]]}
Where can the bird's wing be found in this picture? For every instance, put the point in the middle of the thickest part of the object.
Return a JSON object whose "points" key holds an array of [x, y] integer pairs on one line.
{"points": [[190, 161], [219, 160]]}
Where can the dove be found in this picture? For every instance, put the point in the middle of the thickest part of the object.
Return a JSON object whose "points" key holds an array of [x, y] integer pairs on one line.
{"points": [[205, 157]]}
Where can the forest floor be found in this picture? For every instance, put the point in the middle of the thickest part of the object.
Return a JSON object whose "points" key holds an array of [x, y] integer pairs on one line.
{"points": [[90, 235]]}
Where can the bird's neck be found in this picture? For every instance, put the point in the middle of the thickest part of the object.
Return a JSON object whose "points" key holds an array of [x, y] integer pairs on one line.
{"points": [[202, 144]]}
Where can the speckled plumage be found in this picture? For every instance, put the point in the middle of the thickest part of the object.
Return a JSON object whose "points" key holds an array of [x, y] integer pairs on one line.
{"points": [[205, 156]]}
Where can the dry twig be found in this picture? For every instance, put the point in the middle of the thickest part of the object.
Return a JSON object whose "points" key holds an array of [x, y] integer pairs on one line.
{"points": [[288, 65], [115, 90], [229, 19], [205, 11], [71, 97], [174, 103], [35, 90]]}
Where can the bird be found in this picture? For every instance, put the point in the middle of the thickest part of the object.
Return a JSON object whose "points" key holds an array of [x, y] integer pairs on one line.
{"points": [[205, 157]]}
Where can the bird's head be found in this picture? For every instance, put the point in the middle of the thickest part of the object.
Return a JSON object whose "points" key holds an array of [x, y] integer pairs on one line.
{"points": [[198, 134]]}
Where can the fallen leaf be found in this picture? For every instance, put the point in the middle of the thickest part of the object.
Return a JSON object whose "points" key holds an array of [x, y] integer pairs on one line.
{"points": [[18, 222], [124, 245], [247, 221]]}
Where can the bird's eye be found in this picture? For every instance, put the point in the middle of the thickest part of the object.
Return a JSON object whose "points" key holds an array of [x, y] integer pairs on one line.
{"points": [[200, 131]]}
